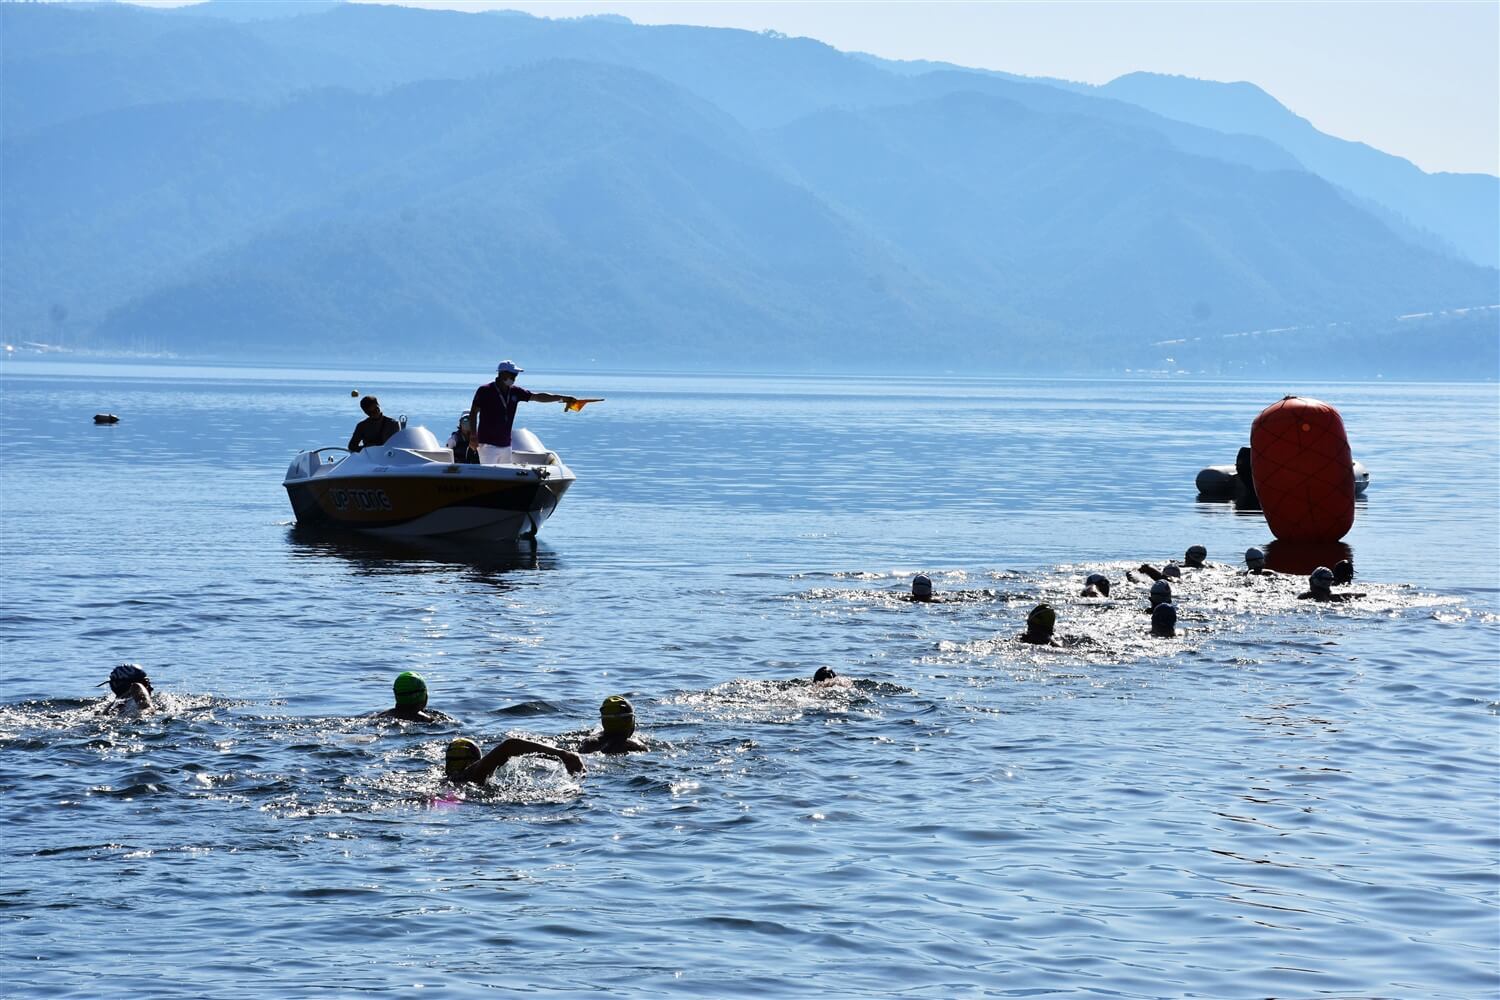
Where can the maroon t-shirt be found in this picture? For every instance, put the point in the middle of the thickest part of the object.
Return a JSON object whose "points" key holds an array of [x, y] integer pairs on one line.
{"points": [[497, 412]]}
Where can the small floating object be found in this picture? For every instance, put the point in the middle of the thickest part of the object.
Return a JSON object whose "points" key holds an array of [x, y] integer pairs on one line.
{"points": [[353, 393], [106, 418], [1302, 470]]}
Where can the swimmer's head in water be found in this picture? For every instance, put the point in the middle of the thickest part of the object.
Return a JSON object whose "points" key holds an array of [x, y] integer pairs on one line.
{"points": [[1321, 579], [461, 753], [126, 676], [1164, 620], [1195, 556], [617, 716], [411, 690], [1343, 571], [824, 674], [921, 587], [1161, 593], [1099, 582], [1255, 558], [1172, 571], [1042, 620]]}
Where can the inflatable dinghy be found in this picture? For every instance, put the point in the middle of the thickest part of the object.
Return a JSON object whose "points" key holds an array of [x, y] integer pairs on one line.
{"points": [[1224, 482]]}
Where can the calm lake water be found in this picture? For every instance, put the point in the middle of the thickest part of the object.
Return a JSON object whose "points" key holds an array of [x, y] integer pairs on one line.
{"points": [[1289, 800]]}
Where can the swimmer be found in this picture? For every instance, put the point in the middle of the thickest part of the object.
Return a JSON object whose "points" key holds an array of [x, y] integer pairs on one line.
{"points": [[1040, 624], [411, 701], [1164, 621], [826, 677], [1097, 585], [1255, 563], [463, 762], [1343, 572], [1318, 588], [921, 588], [1169, 571], [1194, 557], [131, 687], [617, 718], [1161, 593]]}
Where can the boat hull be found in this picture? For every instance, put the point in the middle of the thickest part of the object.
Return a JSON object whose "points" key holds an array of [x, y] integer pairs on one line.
{"points": [[489, 503]]}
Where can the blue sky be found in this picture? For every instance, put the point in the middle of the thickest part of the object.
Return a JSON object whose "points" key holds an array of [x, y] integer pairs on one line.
{"points": [[1421, 80]]}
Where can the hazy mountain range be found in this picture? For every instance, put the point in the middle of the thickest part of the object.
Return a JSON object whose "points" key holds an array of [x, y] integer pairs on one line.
{"points": [[384, 183]]}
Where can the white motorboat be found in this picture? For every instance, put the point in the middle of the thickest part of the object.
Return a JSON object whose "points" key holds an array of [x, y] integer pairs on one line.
{"points": [[412, 486]]}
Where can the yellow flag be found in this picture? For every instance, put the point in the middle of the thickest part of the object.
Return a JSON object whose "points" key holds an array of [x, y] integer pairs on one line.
{"points": [[579, 404]]}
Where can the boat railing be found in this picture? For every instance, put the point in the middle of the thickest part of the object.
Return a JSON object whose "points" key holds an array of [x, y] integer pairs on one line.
{"points": [[322, 459]]}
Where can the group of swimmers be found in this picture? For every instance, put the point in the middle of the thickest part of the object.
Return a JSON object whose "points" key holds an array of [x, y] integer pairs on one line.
{"points": [[464, 761], [1041, 621]]}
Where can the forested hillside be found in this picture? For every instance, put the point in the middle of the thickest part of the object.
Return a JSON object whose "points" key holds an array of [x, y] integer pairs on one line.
{"points": [[432, 186]]}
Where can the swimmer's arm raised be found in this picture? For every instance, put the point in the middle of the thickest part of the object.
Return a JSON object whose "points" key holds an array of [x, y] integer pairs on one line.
{"points": [[481, 769]]}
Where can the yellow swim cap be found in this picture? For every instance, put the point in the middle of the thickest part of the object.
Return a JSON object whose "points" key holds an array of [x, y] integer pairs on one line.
{"points": [[461, 753], [617, 716]]}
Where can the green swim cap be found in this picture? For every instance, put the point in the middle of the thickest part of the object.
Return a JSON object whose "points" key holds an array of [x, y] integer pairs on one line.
{"points": [[1042, 618], [461, 753], [617, 715], [411, 690]]}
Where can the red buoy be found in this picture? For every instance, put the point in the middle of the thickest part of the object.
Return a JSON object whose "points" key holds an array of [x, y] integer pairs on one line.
{"points": [[1302, 469]]}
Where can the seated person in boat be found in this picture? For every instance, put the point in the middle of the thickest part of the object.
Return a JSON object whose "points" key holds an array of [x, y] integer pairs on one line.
{"points": [[131, 688], [465, 763], [461, 441], [411, 701], [375, 430], [617, 720]]}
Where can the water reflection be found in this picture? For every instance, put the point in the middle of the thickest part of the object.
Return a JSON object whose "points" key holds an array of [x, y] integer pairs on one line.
{"points": [[1301, 558], [376, 555]]}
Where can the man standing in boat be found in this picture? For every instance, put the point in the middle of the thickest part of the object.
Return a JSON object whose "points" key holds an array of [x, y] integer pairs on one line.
{"points": [[493, 412]]}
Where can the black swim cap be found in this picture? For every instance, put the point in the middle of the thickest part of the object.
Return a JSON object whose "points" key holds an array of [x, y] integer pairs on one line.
{"points": [[1099, 582]]}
